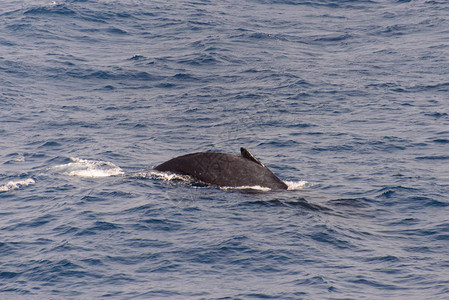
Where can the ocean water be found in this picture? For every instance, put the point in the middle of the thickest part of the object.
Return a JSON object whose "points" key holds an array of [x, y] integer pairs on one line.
{"points": [[346, 101]]}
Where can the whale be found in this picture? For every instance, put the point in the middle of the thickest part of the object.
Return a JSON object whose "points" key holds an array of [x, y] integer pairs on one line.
{"points": [[224, 170]]}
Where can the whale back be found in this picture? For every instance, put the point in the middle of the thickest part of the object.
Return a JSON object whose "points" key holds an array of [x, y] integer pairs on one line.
{"points": [[222, 169]]}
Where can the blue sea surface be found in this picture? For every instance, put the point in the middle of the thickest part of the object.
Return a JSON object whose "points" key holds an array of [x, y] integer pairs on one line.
{"points": [[346, 101]]}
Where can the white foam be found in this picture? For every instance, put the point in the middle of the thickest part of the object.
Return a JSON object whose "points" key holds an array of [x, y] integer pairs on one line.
{"points": [[167, 176], [247, 187], [291, 186], [296, 185], [89, 168], [12, 185]]}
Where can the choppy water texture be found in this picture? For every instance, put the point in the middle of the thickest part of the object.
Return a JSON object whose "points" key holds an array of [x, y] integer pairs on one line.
{"points": [[345, 100]]}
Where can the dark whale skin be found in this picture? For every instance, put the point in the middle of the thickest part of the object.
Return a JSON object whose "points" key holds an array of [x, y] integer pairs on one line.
{"points": [[224, 170]]}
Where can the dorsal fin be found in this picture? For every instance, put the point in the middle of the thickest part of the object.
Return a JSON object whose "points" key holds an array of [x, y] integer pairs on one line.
{"points": [[246, 154]]}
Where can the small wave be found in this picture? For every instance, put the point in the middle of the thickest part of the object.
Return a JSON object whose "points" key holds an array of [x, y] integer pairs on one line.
{"points": [[52, 9], [19, 158], [433, 157], [15, 158], [89, 168], [13, 185]]}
